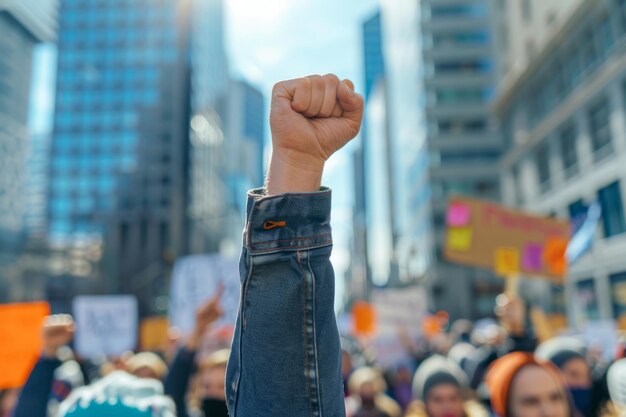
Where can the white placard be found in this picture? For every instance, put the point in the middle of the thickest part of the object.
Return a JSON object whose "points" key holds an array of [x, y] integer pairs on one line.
{"points": [[195, 280], [602, 334], [105, 325], [397, 309]]}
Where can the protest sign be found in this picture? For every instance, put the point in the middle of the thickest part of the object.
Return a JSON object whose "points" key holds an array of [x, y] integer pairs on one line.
{"points": [[195, 280], [363, 318], [20, 340], [153, 333], [509, 242], [105, 325], [398, 311], [601, 335]]}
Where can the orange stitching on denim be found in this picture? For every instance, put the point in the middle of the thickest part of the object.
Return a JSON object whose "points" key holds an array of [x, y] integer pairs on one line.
{"points": [[269, 225]]}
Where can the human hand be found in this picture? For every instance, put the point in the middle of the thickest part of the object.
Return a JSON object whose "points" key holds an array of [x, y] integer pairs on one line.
{"points": [[311, 118], [511, 311], [58, 330], [206, 314]]}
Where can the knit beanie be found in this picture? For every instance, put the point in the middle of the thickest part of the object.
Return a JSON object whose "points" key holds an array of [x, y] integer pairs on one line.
{"points": [[616, 379], [502, 373], [561, 350], [435, 371], [147, 360]]}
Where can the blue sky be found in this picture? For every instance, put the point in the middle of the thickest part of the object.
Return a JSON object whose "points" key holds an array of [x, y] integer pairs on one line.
{"points": [[272, 40], [269, 41]]}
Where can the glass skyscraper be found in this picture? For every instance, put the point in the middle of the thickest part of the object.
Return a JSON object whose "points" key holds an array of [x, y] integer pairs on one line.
{"points": [[441, 77], [20, 30], [128, 82], [374, 71]]}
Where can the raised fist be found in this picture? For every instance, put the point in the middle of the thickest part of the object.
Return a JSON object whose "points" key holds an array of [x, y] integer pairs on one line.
{"points": [[311, 118], [206, 315], [58, 330]]}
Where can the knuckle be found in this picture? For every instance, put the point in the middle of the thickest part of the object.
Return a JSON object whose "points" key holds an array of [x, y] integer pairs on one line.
{"points": [[332, 78], [277, 87], [306, 84], [316, 80]]}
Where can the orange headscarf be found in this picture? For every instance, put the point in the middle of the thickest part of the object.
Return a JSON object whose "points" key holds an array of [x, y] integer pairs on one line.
{"points": [[503, 371]]}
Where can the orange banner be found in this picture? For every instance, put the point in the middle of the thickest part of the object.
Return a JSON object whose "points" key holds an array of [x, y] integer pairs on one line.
{"points": [[20, 340], [364, 318]]}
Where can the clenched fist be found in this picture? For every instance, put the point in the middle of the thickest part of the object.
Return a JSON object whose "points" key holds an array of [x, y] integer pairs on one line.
{"points": [[310, 119], [58, 330]]}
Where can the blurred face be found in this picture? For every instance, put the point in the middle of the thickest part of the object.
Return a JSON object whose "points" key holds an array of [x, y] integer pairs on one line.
{"points": [[212, 381], [444, 401], [367, 392], [145, 373], [577, 373], [404, 376], [8, 401], [535, 393]]}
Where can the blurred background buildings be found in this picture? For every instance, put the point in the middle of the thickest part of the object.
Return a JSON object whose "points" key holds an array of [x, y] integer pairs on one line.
{"points": [[153, 143]]}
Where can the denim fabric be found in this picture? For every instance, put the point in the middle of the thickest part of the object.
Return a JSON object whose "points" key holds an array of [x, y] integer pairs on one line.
{"points": [[286, 359]]}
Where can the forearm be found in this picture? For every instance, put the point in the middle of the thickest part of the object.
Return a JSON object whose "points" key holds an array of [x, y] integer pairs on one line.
{"points": [[33, 400], [177, 380], [286, 353]]}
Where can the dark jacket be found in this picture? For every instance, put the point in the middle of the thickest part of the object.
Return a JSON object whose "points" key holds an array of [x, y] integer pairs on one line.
{"points": [[177, 379], [33, 400]]}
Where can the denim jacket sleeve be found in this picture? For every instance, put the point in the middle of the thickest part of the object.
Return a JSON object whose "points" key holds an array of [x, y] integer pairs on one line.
{"points": [[285, 358]]}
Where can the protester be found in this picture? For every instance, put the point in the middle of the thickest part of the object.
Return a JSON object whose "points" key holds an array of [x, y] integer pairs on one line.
{"points": [[461, 331], [52, 378], [460, 353], [511, 335], [183, 366], [147, 365], [209, 398], [8, 399], [439, 387], [616, 380], [121, 395], [400, 388], [367, 395], [521, 386], [569, 355], [286, 355], [286, 358], [58, 331]]}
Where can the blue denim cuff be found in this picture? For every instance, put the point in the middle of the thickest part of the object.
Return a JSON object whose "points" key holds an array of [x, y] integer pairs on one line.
{"points": [[287, 222]]}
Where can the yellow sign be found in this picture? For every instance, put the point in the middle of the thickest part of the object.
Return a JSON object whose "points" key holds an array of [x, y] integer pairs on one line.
{"points": [[460, 238], [507, 261], [153, 333]]}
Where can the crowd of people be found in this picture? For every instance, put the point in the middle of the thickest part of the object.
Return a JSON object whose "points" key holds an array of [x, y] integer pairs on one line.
{"points": [[286, 357], [498, 370]]}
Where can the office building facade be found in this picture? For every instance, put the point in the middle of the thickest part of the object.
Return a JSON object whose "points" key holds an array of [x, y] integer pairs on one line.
{"points": [[564, 114]]}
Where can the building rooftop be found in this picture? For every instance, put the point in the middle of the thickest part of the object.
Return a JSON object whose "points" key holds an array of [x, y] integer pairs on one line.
{"points": [[38, 17]]}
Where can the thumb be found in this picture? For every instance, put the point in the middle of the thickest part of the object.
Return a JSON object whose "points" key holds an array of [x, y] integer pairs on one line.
{"points": [[350, 102]]}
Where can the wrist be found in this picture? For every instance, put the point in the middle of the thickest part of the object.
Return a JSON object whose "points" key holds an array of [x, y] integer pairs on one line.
{"points": [[194, 340], [290, 174], [49, 352]]}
